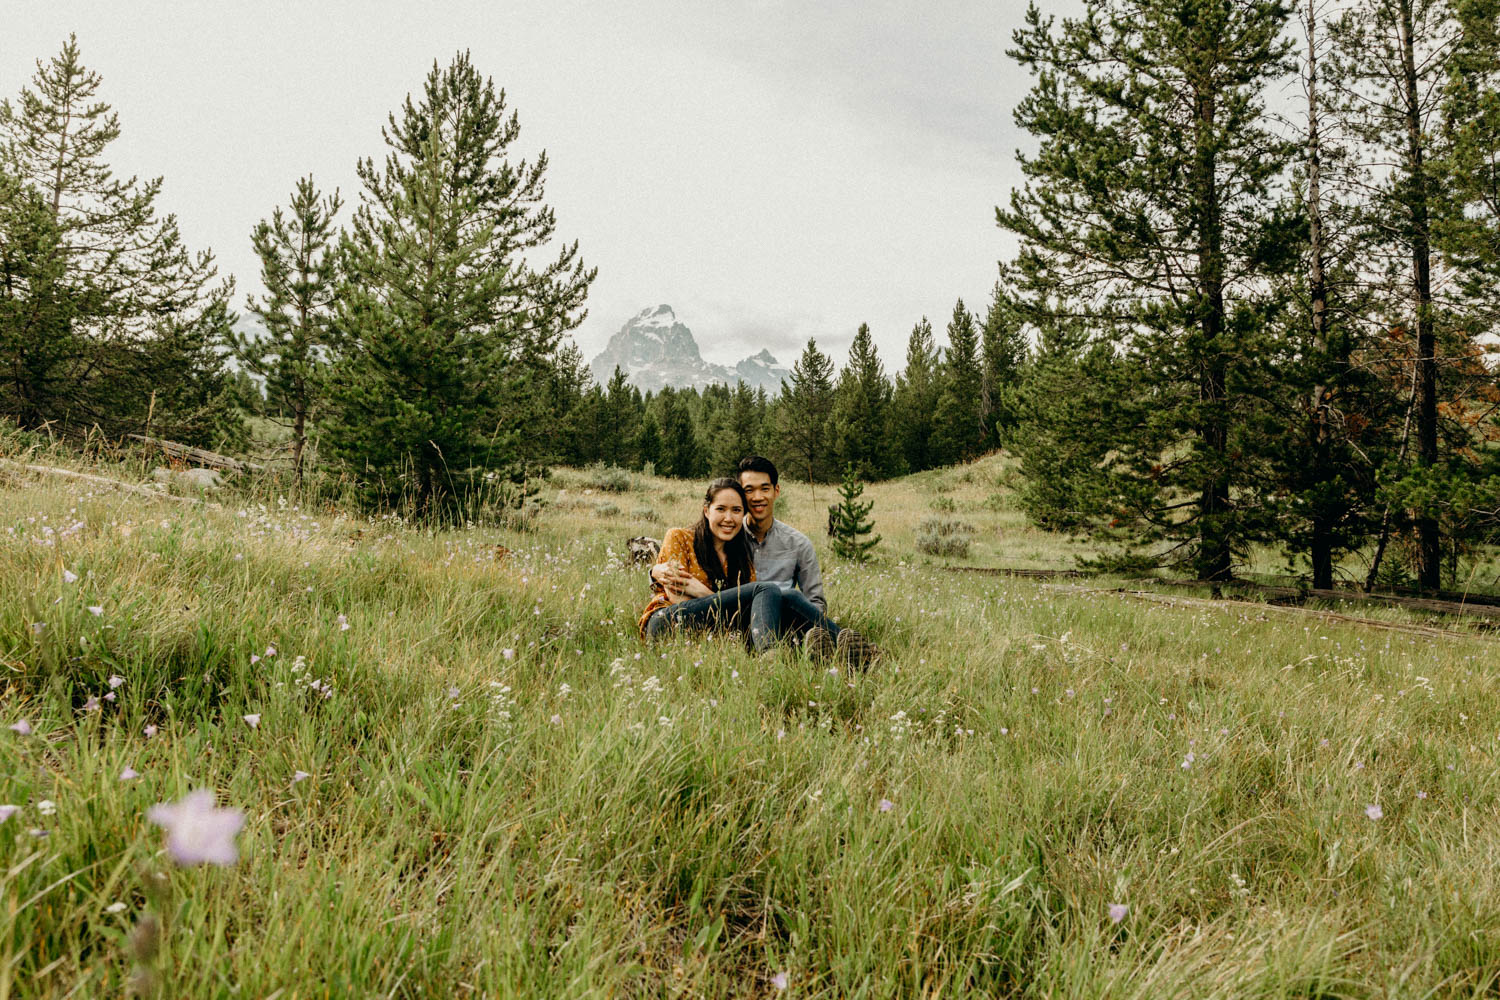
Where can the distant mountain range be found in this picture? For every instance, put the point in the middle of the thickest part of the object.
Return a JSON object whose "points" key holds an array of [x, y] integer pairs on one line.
{"points": [[654, 350]]}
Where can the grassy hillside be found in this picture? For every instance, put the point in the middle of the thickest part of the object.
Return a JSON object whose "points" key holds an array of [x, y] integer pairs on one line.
{"points": [[508, 794]]}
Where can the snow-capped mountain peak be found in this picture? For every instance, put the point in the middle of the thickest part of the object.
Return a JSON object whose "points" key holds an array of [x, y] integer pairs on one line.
{"points": [[654, 349]]}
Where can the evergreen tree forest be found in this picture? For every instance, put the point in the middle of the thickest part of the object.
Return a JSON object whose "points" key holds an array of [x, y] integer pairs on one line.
{"points": [[1252, 302]]}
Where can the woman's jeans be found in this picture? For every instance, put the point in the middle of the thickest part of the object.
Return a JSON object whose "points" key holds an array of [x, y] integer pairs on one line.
{"points": [[762, 608]]}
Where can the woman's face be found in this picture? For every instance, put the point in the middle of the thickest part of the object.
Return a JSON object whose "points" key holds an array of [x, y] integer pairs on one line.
{"points": [[726, 514]]}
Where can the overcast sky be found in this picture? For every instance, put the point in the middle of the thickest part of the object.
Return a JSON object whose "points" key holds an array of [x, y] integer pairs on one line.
{"points": [[773, 170]]}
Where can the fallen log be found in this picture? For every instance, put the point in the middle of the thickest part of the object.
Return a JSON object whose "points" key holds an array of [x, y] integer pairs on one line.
{"points": [[187, 453]]}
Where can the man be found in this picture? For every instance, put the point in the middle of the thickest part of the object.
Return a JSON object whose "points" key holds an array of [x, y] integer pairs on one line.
{"points": [[785, 556]]}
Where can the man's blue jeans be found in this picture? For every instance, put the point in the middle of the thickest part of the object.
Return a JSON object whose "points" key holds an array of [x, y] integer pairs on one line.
{"points": [[762, 609]]}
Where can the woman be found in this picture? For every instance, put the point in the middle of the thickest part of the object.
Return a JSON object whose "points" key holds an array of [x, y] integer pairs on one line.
{"points": [[721, 591]]}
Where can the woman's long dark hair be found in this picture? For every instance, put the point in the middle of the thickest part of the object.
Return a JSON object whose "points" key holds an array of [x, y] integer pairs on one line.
{"points": [[737, 554]]}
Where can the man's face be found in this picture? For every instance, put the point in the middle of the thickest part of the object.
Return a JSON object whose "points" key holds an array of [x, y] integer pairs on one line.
{"points": [[761, 494]]}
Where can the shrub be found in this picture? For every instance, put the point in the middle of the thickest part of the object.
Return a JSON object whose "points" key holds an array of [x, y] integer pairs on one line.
{"points": [[944, 505], [645, 514], [609, 478], [606, 508], [945, 537]]}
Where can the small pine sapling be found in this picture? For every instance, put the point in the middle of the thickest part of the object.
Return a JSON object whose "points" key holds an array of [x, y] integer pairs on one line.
{"points": [[850, 521]]}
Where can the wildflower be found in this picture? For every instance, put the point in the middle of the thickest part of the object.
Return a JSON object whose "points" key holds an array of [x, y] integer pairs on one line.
{"points": [[96, 610], [69, 576], [46, 807], [556, 720], [254, 659], [779, 980], [453, 693], [115, 907], [115, 680], [23, 727], [1117, 912], [270, 651], [1421, 795], [197, 831], [129, 774], [299, 776], [109, 696], [150, 731], [885, 805], [1374, 811], [92, 705], [254, 720], [37, 628], [7, 811], [509, 654], [343, 622]]}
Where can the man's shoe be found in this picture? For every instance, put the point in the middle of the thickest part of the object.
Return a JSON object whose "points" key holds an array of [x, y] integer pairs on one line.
{"points": [[819, 644], [855, 650]]}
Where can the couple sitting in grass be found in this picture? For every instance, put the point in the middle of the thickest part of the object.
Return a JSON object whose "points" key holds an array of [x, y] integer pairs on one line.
{"points": [[741, 569]]}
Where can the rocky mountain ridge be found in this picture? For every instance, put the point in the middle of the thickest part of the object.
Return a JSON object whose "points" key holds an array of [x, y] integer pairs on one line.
{"points": [[654, 350]]}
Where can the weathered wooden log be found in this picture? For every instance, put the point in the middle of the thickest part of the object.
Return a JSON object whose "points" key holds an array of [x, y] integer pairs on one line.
{"points": [[187, 453]]}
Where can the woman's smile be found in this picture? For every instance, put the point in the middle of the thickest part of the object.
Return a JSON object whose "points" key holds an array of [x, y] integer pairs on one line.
{"points": [[726, 515]]}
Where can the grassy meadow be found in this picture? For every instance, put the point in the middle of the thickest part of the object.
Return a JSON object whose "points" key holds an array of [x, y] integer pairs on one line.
{"points": [[1040, 792]]}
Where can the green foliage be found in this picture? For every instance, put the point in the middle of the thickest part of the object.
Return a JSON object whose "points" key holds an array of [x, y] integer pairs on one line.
{"points": [[1004, 353], [958, 425], [861, 420], [1147, 210], [450, 336], [106, 319], [681, 455], [915, 400], [849, 519], [945, 537], [299, 270], [739, 428], [805, 407]]}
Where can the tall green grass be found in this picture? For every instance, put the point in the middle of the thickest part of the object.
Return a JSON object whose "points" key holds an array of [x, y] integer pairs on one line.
{"points": [[511, 795]]}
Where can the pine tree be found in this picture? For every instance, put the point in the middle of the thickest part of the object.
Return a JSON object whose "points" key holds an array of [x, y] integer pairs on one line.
{"points": [[622, 420], [1151, 191], [450, 333], [958, 433], [850, 519], [1392, 66], [1004, 352], [914, 401], [299, 270], [126, 321], [648, 443], [862, 411], [680, 455], [805, 407], [739, 432], [1334, 434]]}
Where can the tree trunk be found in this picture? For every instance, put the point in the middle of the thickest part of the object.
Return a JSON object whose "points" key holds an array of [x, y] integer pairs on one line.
{"points": [[1215, 546], [299, 439], [1429, 569], [1321, 546]]}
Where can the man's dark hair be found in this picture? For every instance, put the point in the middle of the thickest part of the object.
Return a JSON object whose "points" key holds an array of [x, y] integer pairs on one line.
{"points": [[759, 463]]}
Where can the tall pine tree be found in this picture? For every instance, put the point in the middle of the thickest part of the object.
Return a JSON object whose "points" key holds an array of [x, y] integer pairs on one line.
{"points": [[450, 332], [1004, 353], [959, 434], [805, 407], [862, 412], [914, 402], [1149, 208], [123, 330], [299, 269]]}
